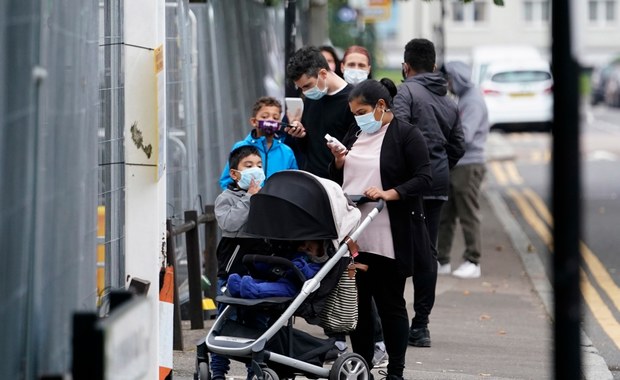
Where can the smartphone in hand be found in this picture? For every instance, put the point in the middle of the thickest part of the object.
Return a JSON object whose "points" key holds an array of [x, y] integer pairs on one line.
{"points": [[294, 108]]}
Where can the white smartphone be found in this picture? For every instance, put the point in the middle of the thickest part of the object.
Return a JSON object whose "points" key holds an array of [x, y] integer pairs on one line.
{"points": [[294, 108]]}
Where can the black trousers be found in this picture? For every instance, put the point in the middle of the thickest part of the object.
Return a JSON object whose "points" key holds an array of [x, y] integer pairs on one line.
{"points": [[425, 268], [383, 283]]}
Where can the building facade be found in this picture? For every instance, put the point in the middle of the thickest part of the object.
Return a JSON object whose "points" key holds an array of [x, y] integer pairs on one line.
{"points": [[528, 22]]}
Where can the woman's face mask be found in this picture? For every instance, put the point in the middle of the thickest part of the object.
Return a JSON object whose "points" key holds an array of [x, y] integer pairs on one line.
{"points": [[355, 76], [247, 175], [315, 93], [368, 123]]}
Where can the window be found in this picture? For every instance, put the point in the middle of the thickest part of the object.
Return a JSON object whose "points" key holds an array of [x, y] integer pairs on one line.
{"points": [[536, 11], [523, 76], [470, 14], [601, 12]]}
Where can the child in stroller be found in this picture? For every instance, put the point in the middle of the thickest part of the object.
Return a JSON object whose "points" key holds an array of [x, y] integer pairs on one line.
{"points": [[309, 258]]}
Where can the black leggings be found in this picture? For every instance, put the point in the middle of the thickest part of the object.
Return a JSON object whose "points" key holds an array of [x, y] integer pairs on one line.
{"points": [[383, 283]]}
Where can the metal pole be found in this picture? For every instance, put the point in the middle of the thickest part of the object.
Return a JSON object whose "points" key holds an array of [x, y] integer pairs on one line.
{"points": [[290, 35], [210, 257], [566, 191], [193, 271], [177, 338], [441, 56]]}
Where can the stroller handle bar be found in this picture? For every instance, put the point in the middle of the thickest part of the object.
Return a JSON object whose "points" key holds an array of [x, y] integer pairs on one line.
{"points": [[250, 261], [359, 199]]}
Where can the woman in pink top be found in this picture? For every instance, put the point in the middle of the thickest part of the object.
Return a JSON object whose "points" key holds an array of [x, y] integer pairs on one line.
{"points": [[387, 159]]}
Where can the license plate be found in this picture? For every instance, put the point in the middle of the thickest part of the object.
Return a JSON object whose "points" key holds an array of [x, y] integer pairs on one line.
{"points": [[521, 94]]}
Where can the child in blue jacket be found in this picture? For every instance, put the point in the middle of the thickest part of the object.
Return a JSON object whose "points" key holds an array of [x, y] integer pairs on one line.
{"points": [[309, 259], [265, 136]]}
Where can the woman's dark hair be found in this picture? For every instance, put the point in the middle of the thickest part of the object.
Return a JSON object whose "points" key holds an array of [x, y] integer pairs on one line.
{"points": [[420, 55], [239, 154], [334, 55], [370, 91]]}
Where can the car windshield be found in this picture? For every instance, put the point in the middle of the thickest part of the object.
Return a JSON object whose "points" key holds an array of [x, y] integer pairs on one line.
{"points": [[522, 76]]}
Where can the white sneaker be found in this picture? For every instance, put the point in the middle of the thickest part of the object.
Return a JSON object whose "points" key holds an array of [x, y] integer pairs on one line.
{"points": [[467, 270], [444, 269], [380, 359]]}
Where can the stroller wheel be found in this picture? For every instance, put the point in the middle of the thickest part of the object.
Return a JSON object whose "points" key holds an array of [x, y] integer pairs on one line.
{"points": [[268, 374], [349, 366], [203, 371]]}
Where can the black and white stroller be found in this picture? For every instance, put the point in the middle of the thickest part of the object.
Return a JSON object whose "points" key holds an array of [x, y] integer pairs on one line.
{"points": [[292, 206]]}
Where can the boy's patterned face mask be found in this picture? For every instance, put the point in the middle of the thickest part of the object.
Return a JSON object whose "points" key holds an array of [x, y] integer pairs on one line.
{"points": [[269, 127]]}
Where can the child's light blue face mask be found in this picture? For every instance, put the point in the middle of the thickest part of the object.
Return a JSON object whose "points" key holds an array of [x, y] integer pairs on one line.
{"points": [[247, 175]]}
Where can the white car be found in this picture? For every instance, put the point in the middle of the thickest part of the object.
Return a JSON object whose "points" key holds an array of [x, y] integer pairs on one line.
{"points": [[519, 94], [484, 55]]}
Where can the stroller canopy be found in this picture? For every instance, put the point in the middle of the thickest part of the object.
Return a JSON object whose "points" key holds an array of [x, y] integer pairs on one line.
{"points": [[297, 205]]}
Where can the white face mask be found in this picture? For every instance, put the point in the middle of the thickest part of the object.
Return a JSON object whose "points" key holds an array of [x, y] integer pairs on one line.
{"points": [[355, 76], [248, 175], [368, 123], [315, 93]]}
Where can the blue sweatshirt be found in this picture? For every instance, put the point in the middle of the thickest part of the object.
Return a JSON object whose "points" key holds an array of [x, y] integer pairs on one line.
{"points": [[279, 157]]}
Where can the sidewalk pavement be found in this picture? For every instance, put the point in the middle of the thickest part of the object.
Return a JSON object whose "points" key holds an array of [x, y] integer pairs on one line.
{"points": [[498, 326]]}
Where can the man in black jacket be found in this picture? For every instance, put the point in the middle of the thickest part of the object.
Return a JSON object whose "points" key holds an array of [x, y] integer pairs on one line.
{"points": [[422, 101], [326, 109]]}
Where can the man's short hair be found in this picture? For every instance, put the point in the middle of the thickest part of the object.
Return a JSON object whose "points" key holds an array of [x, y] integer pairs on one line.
{"points": [[265, 101], [307, 60], [239, 154], [420, 55]]}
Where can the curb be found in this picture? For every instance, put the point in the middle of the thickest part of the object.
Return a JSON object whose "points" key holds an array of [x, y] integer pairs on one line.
{"points": [[497, 148], [593, 364]]}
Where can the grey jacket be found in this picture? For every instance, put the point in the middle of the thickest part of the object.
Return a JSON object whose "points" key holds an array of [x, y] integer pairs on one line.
{"points": [[231, 212], [421, 100], [473, 111]]}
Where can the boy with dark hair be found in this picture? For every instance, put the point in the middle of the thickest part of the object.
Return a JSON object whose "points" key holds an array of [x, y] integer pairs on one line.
{"points": [[231, 212], [421, 100], [266, 137], [326, 108]]}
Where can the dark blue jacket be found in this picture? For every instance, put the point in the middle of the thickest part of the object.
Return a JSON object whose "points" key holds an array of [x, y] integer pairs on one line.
{"points": [[421, 100]]}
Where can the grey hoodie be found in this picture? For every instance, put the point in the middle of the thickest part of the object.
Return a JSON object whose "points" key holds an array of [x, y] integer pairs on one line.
{"points": [[473, 111], [421, 100]]}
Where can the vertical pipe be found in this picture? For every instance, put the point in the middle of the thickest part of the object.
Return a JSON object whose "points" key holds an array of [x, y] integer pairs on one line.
{"points": [[290, 34], [36, 45], [210, 257], [177, 338], [193, 271], [566, 191]]}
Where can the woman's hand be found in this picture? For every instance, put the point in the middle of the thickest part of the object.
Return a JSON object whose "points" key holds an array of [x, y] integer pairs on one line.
{"points": [[339, 154], [375, 193], [296, 129]]}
